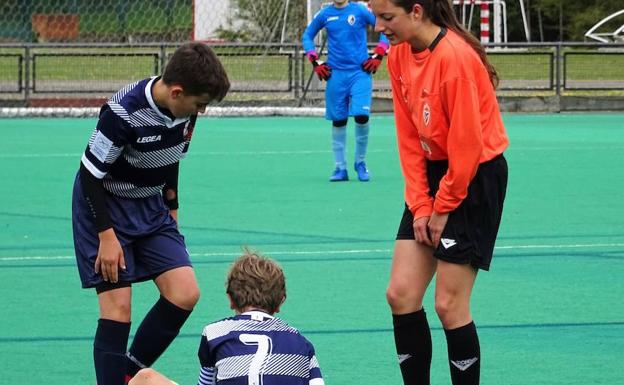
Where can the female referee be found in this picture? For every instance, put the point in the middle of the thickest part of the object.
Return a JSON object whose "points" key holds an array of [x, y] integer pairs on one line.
{"points": [[451, 140]]}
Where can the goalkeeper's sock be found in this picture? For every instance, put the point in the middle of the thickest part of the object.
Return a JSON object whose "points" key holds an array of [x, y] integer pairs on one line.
{"points": [[339, 142], [361, 141], [413, 343], [158, 329], [109, 347], [464, 354]]}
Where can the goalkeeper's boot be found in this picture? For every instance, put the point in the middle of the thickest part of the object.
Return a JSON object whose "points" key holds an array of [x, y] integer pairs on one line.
{"points": [[362, 171], [339, 175]]}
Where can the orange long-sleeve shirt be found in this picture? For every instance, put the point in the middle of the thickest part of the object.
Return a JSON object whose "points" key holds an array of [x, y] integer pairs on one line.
{"points": [[445, 108]]}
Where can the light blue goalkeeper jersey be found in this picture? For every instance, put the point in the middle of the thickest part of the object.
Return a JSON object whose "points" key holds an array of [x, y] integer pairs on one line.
{"points": [[346, 33]]}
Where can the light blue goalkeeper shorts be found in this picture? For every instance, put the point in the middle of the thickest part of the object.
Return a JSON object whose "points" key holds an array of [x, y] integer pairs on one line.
{"points": [[348, 93]]}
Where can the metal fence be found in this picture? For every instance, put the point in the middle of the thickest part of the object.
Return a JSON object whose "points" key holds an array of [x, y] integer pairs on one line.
{"points": [[83, 74], [142, 21]]}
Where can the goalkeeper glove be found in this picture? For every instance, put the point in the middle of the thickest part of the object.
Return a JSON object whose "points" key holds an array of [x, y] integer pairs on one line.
{"points": [[374, 61], [322, 69]]}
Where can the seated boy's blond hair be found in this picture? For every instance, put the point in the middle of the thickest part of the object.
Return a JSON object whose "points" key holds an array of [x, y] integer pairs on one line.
{"points": [[256, 282]]}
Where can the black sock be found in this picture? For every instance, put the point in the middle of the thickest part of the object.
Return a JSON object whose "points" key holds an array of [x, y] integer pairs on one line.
{"points": [[413, 343], [109, 348], [464, 354], [158, 329]]}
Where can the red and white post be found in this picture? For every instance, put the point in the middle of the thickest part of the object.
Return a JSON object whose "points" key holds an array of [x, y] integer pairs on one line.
{"points": [[485, 22]]}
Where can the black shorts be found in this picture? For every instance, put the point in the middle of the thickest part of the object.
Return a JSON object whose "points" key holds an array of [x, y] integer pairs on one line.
{"points": [[471, 230]]}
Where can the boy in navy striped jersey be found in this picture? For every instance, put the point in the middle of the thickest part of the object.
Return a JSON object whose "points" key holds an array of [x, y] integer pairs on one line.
{"points": [[124, 208], [253, 347]]}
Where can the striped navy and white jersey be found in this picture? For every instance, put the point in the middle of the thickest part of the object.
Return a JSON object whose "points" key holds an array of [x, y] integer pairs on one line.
{"points": [[256, 348], [135, 144]]}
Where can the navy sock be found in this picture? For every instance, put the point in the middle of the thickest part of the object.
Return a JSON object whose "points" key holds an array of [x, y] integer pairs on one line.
{"points": [[464, 354], [109, 348], [158, 329], [413, 343]]}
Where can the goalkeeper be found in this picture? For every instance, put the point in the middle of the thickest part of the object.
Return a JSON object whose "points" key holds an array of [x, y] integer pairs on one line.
{"points": [[348, 72]]}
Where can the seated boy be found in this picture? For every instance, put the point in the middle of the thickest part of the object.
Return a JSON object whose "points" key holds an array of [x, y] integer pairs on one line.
{"points": [[253, 347]]}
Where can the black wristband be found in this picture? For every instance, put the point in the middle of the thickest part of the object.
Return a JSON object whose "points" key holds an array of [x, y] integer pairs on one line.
{"points": [[170, 190], [173, 202], [95, 196]]}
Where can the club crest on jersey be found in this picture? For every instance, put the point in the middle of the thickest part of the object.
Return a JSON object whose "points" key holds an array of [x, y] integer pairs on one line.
{"points": [[426, 114], [149, 139], [351, 19]]}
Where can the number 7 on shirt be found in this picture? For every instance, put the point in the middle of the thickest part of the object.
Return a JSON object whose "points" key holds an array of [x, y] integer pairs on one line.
{"points": [[264, 344]]}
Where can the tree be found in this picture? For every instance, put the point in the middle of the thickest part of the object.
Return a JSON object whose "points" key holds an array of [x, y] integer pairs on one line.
{"points": [[569, 20]]}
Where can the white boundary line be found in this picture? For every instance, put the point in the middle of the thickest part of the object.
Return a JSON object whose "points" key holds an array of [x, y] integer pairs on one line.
{"points": [[590, 245], [332, 252], [92, 112], [192, 154]]}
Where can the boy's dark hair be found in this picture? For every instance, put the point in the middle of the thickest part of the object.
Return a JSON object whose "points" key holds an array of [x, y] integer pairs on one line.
{"points": [[256, 282], [196, 68]]}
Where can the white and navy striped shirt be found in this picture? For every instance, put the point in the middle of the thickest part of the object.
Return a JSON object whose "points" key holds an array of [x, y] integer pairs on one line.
{"points": [[256, 348], [135, 144]]}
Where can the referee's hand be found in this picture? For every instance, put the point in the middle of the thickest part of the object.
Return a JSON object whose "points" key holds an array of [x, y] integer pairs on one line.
{"points": [[436, 225], [110, 256], [421, 231]]}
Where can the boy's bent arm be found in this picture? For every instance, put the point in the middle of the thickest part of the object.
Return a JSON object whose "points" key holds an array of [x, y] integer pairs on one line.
{"points": [[370, 19], [208, 372], [207, 376], [310, 33], [105, 146], [110, 254], [170, 190], [316, 378]]}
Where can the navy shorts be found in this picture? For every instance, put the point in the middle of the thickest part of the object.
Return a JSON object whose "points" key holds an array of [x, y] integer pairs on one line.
{"points": [[471, 230], [148, 235]]}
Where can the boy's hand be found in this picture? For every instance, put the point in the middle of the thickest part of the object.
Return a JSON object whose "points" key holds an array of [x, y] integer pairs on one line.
{"points": [[371, 65], [174, 214], [110, 256], [322, 69]]}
